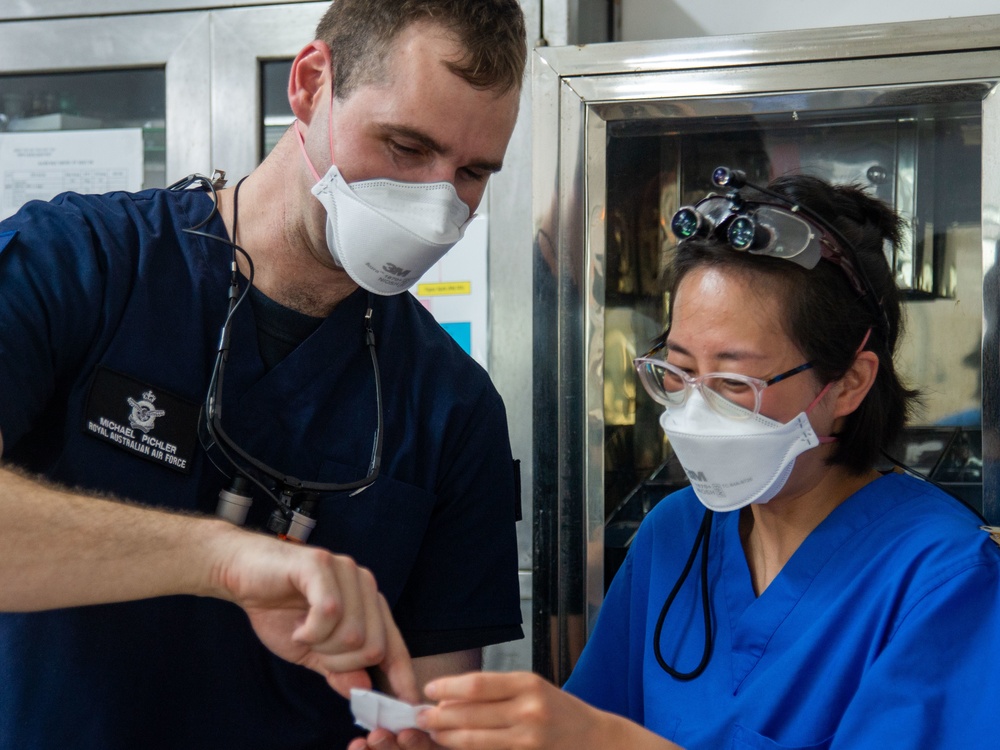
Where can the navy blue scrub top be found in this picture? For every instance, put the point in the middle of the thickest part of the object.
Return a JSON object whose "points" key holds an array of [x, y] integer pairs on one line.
{"points": [[111, 312]]}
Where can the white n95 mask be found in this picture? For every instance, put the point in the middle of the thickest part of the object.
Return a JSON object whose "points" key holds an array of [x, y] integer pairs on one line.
{"points": [[735, 462], [386, 234]]}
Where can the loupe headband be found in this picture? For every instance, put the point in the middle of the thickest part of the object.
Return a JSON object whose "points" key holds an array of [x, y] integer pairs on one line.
{"points": [[778, 228]]}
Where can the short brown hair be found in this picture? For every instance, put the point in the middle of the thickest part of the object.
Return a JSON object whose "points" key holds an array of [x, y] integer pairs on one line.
{"points": [[361, 32]]}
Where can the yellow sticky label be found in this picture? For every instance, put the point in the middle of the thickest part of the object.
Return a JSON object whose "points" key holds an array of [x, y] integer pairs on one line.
{"points": [[444, 289]]}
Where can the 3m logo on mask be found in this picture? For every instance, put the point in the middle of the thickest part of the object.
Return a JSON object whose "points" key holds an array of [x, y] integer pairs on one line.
{"points": [[396, 270], [703, 487]]}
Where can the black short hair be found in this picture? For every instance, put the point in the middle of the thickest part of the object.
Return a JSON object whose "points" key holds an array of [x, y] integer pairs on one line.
{"points": [[825, 316]]}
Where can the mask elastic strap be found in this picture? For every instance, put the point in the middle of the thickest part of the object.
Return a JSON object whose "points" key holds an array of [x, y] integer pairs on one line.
{"points": [[329, 123], [302, 147], [329, 133], [818, 397], [861, 347]]}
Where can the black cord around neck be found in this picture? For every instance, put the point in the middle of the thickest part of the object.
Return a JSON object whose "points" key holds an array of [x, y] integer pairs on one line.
{"points": [[236, 211], [701, 541], [213, 398]]}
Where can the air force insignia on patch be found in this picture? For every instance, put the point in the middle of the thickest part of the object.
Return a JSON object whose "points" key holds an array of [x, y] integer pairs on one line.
{"points": [[143, 420], [144, 414]]}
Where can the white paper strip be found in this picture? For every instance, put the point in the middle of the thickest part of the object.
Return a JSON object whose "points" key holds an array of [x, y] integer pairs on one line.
{"points": [[373, 710]]}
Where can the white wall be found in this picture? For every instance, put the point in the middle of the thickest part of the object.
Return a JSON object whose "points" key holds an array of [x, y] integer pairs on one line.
{"points": [[671, 19]]}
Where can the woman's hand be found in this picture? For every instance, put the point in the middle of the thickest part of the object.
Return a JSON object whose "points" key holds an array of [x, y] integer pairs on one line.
{"points": [[496, 711], [514, 710]]}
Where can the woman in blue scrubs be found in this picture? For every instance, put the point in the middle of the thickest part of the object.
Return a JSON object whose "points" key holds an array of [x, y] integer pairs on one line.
{"points": [[793, 596]]}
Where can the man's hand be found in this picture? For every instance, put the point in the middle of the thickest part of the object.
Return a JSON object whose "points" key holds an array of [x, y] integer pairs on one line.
{"points": [[382, 739], [314, 608]]}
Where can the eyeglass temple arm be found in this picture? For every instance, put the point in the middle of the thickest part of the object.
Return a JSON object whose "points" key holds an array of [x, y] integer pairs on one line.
{"points": [[658, 344]]}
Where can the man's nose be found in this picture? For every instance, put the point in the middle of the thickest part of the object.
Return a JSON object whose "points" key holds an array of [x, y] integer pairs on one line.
{"points": [[441, 171]]}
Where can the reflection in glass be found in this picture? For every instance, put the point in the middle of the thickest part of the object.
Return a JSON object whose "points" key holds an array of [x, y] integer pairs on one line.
{"points": [[134, 98], [274, 102]]}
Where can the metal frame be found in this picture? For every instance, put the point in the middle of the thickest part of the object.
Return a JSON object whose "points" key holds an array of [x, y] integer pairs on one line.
{"points": [[577, 92], [38, 9], [240, 39]]}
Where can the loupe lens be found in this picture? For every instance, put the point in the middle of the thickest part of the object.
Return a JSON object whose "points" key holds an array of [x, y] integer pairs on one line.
{"points": [[742, 232], [720, 176], [728, 178], [685, 223]]}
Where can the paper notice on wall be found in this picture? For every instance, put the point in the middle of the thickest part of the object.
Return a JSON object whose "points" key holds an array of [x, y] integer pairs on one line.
{"points": [[454, 290], [40, 165]]}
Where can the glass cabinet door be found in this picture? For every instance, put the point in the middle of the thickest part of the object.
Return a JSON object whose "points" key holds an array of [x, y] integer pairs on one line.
{"points": [[58, 111], [202, 90], [43, 103], [275, 110]]}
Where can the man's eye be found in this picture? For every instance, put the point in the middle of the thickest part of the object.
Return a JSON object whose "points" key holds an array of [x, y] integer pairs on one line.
{"points": [[402, 150], [476, 175]]}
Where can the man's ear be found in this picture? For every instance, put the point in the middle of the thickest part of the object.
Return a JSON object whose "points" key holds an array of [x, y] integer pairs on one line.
{"points": [[857, 381], [309, 79]]}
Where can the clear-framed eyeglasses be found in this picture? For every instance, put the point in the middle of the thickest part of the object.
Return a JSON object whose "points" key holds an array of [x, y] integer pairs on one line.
{"points": [[670, 386]]}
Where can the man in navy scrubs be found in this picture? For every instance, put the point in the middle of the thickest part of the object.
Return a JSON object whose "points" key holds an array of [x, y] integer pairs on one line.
{"points": [[331, 377]]}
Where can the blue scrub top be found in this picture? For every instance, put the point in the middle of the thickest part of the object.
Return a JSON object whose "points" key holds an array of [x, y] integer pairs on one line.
{"points": [[109, 308], [877, 633]]}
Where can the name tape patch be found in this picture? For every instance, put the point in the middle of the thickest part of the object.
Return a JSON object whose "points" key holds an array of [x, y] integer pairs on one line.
{"points": [[142, 419]]}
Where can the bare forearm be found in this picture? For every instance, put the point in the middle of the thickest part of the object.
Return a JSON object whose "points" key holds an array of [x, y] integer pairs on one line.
{"points": [[622, 733], [613, 732], [62, 549], [59, 548]]}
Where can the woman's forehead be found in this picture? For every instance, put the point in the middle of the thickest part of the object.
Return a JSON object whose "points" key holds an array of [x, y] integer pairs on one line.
{"points": [[727, 314]]}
